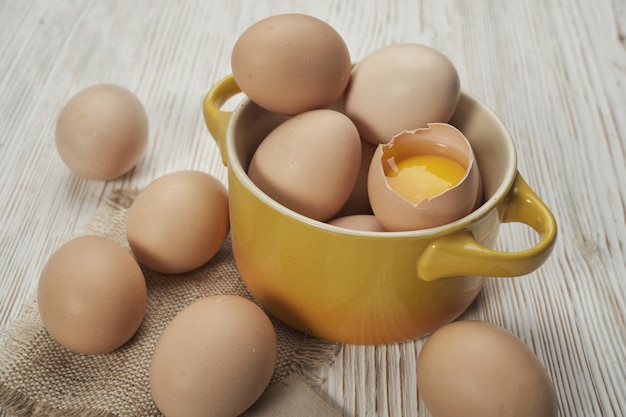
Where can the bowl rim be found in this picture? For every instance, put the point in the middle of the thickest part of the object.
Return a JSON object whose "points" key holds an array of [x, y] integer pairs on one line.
{"points": [[501, 191]]}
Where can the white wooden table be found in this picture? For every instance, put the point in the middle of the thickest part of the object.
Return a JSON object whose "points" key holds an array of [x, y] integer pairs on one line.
{"points": [[553, 70]]}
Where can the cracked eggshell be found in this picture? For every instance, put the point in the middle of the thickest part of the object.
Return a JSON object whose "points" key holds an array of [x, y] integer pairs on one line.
{"points": [[401, 87], [395, 212]]}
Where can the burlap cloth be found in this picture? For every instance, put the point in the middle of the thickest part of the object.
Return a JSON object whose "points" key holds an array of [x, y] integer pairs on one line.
{"points": [[40, 378]]}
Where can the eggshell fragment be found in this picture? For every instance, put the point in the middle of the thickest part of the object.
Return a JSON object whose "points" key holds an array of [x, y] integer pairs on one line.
{"points": [[214, 359], [395, 212], [473, 368], [178, 222], [102, 132], [291, 63], [401, 87], [91, 295], [309, 163]]}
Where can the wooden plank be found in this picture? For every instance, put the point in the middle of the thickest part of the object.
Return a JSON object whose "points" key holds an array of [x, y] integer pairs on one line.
{"points": [[553, 71]]}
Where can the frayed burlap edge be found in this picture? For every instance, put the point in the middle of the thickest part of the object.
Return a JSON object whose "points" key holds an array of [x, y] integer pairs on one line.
{"points": [[313, 355], [14, 341], [308, 356], [304, 360], [20, 335], [19, 404]]}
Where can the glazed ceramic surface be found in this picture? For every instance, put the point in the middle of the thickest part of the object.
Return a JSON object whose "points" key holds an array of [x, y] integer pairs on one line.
{"points": [[373, 287]]}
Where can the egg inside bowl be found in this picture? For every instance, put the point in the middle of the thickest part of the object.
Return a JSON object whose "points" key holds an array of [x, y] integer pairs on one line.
{"points": [[370, 287]]}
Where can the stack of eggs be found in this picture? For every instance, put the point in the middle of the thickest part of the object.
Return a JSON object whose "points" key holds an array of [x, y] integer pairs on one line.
{"points": [[217, 354], [367, 146]]}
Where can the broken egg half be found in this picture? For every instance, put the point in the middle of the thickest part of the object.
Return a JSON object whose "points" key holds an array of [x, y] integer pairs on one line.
{"points": [[424, 178]]}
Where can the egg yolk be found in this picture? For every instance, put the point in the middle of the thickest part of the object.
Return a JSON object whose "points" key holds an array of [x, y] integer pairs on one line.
{"points": [[423, 176]]}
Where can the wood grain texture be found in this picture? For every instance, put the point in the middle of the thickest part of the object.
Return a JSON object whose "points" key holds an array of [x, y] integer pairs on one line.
{"points": [[553, 70]]}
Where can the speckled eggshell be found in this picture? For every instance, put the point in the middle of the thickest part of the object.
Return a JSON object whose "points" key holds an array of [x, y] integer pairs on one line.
{"points": [[91, 295], [214, 359], [102, 132], [474, 368], [291, 63], [179, 221]]}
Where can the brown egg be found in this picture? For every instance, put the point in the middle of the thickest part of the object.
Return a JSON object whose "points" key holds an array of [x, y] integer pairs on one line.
{"points": [[358, 202], [102, 132], [92, 295], [364, 222], [479, 369], [309, 163], [214, 359], [401, 87], [430, 200], [291, 63], [178, 222]]}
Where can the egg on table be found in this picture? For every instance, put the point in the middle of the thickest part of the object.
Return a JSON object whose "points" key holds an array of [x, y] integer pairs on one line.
{"points": [[474, 368], [102, 132], [214, 359], [178, 222], [91, 295]]}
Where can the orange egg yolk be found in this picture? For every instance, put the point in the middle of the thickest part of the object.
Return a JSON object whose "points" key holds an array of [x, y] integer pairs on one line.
{"points": [[423, 176]]}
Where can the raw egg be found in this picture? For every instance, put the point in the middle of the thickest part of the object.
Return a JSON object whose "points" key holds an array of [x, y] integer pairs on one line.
{"points": [[214, 359], [179, 221], [401, 87], [291, 63], [92, 295], [424, 178], [309, 163], [102, 132], [473, 368]]}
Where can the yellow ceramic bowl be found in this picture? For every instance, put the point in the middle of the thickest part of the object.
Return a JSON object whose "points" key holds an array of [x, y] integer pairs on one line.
{"points": [[373, 287]]}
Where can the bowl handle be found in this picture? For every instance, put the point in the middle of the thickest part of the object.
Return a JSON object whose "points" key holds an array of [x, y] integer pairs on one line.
{"points": [[461, 254], [217, 120]]}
